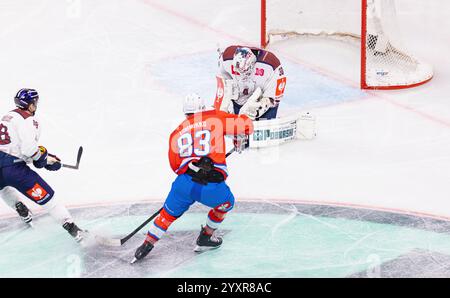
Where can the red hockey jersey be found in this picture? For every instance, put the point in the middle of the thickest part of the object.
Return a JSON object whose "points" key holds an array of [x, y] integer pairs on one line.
{"points": [[202, 134]]}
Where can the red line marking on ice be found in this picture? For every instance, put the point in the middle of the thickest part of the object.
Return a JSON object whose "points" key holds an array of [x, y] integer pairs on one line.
{"points": [[413, 110], [190, 20]]}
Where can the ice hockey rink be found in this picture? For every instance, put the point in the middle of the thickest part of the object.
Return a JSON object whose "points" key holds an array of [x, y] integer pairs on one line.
{"points": [[368, 197]]}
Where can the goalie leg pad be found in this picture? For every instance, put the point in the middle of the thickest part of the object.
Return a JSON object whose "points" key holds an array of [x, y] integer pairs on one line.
{"points": [[227, 90], [306, 126], [230, 93]]}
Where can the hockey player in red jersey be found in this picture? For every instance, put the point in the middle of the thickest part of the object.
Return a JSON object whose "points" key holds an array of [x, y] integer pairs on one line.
{"points": [[197, 156], [251, 81]]}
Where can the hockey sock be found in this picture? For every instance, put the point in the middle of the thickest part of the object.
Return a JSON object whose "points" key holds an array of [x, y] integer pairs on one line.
{"points": [[9, 196], [58, 211], [215, 218], [160, 226]]}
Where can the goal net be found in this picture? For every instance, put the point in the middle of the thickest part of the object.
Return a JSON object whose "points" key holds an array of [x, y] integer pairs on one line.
{"points": [[385, 62]]}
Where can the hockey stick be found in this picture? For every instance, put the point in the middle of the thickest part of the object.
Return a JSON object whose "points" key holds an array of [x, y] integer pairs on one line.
{"points": [[118, 242], [230, 152], [77, 165]]}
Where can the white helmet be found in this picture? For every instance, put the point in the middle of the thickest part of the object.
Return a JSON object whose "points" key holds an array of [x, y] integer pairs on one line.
{"points": [[244, 61], [193, 103]]}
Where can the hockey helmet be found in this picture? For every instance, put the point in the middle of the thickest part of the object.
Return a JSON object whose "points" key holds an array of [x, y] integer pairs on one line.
{"points": [[244, 61], [25, 97], [193, 103]]}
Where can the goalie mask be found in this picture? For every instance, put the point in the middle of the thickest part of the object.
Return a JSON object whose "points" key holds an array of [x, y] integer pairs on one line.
{"points": [[193, 103], [244, 61]]}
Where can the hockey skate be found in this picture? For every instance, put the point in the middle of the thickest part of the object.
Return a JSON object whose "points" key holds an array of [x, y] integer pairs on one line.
{"points": [[142, 251], [207, 242], [74, 231], [24, 213]]}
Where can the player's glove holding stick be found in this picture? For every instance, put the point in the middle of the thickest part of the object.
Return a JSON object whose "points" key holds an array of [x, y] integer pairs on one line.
{"points": [[46, 160], [53, 163], [240, 143]]}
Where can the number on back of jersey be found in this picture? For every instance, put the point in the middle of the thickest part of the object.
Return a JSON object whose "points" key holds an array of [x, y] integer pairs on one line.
{"points": [[4, 135], [199, 145]]}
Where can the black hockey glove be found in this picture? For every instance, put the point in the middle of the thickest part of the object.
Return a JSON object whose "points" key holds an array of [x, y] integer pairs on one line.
{"points": [[203, 171], [53, 163], [42, 160]]}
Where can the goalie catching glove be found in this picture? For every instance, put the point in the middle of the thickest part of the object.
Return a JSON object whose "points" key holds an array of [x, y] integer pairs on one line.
{"points": [[43, 159], [256, 105]]}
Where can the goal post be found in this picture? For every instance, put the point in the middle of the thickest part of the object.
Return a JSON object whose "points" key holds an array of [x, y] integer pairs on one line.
{"points": [[384, 60]]}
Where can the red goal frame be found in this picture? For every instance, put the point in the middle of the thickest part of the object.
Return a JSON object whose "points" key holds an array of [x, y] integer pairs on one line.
{"points": [[363, 84]]}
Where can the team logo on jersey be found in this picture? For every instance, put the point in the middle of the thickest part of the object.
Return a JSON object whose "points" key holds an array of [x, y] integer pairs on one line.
{"points": [[37, 193], [281, 84], [7, 118]]}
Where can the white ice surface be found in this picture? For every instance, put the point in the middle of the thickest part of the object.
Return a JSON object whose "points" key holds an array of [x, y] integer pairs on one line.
{"points": [[110, 76]]}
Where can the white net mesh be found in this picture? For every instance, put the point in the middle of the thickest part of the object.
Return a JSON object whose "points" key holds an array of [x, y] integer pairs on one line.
{"points": [[387, 63]]}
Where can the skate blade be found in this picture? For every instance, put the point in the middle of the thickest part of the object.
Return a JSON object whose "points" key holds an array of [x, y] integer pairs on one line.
{"points": [[205, 248], [82, 236], [134, 260]]}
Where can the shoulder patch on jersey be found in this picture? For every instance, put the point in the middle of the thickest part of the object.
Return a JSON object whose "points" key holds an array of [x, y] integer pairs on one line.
{"points": [[229, 53], [281, 85], [267, 57], [22, 113], [7, 118]]}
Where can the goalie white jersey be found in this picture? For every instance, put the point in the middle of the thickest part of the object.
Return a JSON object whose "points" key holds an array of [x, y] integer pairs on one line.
{"points": [[268, 75], [19, 134]]}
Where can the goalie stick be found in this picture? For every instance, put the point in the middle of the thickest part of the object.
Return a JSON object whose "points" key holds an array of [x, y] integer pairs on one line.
{"points": [[77, 165], [118, 242]]}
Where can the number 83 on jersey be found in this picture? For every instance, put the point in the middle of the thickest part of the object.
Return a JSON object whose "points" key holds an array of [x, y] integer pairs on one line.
{"points": [[199, 144]]}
